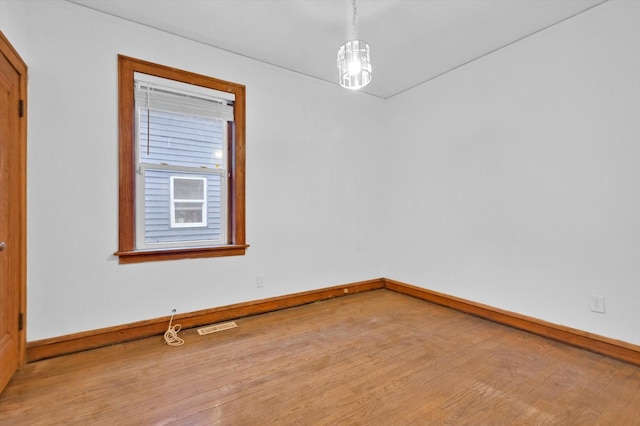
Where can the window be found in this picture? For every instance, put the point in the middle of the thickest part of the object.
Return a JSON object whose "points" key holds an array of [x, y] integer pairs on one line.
{"points": [[188, 202], [181, 164], [182, 169]]}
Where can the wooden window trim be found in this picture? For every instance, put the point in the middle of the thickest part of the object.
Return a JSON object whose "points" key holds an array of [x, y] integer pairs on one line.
{"points": [[127, 252]]}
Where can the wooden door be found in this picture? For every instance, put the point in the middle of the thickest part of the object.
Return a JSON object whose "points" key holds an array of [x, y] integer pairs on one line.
{"points": [[12, 210]]}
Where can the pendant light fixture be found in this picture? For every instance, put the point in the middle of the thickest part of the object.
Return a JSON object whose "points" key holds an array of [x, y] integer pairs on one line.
{"points": [[354, 63]]}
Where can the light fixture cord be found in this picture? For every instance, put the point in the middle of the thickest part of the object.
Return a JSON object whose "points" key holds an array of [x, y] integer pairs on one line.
{"points": [[355, 19]]}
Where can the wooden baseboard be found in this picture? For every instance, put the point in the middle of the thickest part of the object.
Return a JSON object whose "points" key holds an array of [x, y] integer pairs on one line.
{"points": [[56, 346], [603, 345], [48, 348]]}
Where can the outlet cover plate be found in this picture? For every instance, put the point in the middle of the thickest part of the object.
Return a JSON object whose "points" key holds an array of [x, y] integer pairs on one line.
{"points": [[596, 303]]}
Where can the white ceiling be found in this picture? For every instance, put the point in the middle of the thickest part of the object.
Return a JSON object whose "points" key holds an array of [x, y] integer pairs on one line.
{"points": [[412, 41]]}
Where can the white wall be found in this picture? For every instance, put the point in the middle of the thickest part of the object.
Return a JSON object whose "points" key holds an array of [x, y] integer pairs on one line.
{"points": [[12, 18], [307, 199], [511, 181], [522, 176]]}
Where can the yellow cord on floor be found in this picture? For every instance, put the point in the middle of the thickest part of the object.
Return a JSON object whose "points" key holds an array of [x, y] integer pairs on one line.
{"points": [[171, 335]]}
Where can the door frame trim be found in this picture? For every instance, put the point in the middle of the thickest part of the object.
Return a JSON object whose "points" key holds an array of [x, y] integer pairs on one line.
{"points": [[19, 193]]}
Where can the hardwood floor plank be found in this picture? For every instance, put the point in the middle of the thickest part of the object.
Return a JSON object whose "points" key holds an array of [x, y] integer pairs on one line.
{"points": [[373, 358]]}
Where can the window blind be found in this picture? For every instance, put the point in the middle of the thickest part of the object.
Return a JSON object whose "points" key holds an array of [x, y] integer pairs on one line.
{"points": [[154, 96]]}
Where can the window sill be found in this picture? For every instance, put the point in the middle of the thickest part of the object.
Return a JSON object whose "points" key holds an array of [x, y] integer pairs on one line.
{"points": [[138, 256]]}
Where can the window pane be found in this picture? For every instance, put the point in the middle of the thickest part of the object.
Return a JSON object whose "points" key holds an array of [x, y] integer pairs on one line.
{"points": [[180, 139], [188, 189], [157, 210], [188, 212]]}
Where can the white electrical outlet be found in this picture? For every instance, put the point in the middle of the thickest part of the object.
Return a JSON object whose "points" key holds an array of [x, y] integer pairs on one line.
{"points": [[260, 281], [597, 303]]}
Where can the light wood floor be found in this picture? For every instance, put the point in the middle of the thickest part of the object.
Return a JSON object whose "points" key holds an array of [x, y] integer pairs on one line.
{"points": [[375, 358]]}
